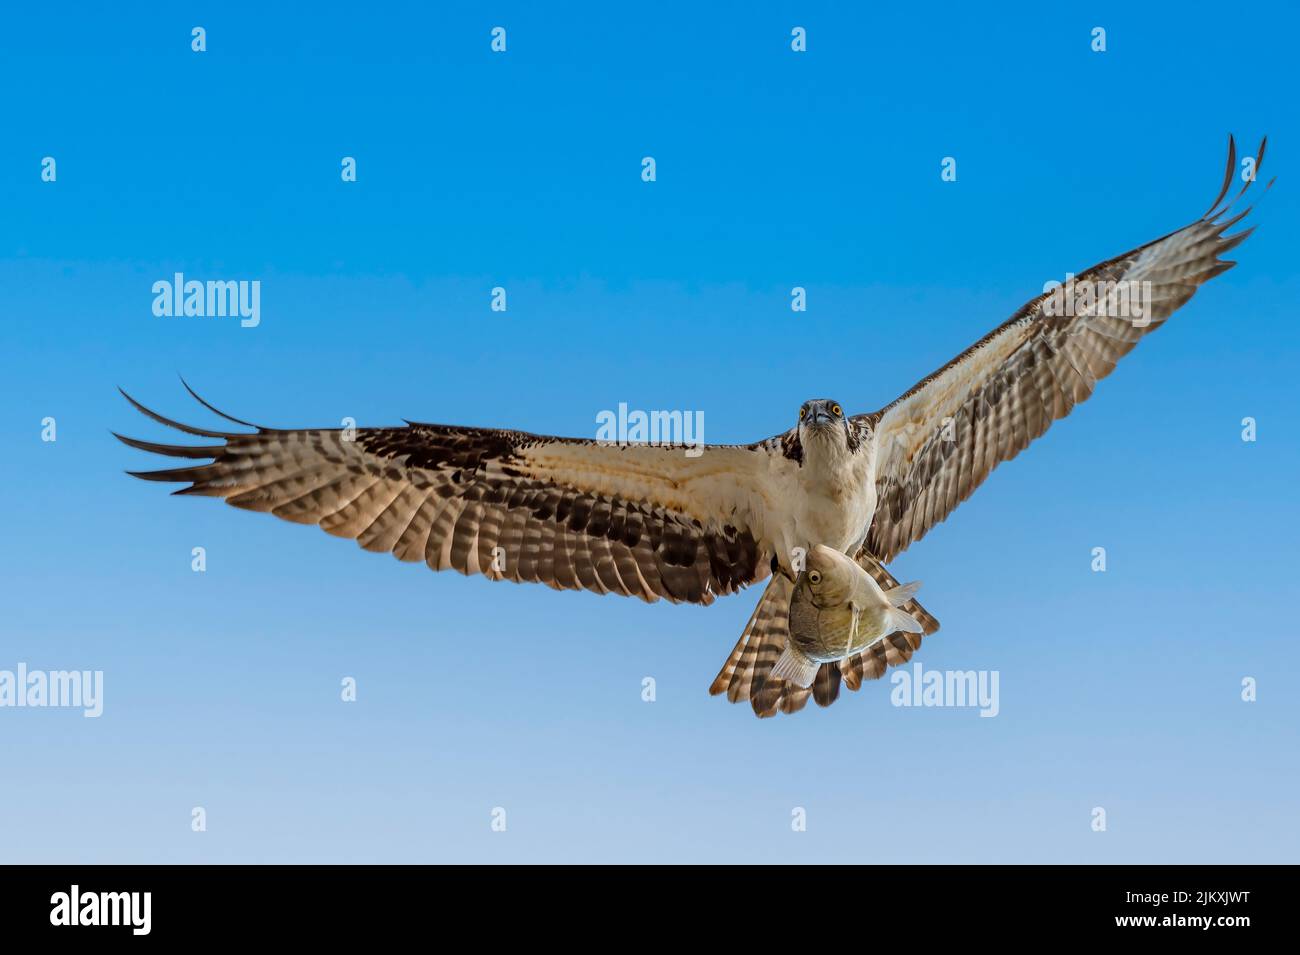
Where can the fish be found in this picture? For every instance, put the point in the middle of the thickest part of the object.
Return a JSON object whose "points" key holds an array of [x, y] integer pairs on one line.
{"points": [[838, 610]]}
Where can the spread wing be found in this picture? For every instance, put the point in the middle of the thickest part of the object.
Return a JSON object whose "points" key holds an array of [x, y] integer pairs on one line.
{"points": [[638, 520], [940, 440]]}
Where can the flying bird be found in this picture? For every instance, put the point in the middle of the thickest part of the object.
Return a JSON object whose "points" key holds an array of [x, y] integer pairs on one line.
{"points": [[652, 522]]}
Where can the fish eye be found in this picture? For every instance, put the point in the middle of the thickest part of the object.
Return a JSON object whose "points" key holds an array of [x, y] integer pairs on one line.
{"points": [[815, 576], [837, 411]]}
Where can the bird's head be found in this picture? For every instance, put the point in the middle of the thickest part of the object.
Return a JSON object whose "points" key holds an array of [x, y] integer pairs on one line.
{"points": [[822, 420]]}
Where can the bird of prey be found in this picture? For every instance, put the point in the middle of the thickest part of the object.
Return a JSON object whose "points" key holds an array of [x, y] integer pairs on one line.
{"points": [[652, 522]]}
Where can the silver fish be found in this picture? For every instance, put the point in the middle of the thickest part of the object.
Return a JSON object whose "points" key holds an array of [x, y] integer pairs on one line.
{"points": [[838, 610]]}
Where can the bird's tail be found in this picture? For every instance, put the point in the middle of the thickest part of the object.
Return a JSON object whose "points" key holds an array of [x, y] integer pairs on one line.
{"points": [[747, 674], [761, 642]]}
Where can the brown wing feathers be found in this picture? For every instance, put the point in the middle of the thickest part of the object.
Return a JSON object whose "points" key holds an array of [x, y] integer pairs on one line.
{"points": [[941, 439], [461, 499]]}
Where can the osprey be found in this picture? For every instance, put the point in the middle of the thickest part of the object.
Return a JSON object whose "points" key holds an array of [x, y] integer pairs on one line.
{"points": [[653, 522]]}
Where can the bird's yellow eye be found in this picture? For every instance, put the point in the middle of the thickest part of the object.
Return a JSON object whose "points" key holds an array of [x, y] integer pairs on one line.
{"points": [[814, 576], [803, 413], [837, 410]]}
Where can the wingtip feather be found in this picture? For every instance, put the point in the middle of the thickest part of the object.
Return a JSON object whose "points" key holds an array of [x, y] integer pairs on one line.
{"points": [[170, 450], [217, 411], [188, 429]]}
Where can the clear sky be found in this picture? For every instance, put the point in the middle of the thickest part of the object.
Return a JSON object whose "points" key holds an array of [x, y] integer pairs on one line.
{"points": [[821, 169]]}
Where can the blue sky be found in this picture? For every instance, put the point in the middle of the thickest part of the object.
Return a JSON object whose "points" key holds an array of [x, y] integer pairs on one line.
{"points": [[522, 170]]}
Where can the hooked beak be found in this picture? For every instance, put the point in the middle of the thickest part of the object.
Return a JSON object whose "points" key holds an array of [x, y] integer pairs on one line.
{"points": [[817, 417]]}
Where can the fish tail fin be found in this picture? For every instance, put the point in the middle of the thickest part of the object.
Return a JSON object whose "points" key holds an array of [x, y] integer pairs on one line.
{"points": [[896, 647], [885, 580], [897, 596], [795, 666], [904, 621]]}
